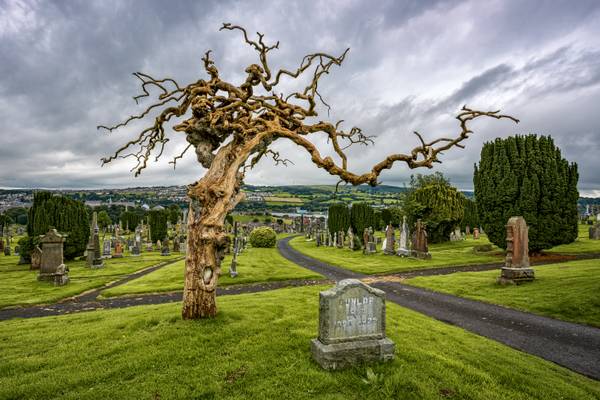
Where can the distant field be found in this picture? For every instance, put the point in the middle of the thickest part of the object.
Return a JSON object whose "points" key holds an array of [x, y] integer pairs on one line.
{"points": [[283, 199]]}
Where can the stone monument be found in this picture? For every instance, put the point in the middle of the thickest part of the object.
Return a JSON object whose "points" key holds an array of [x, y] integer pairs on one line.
{"points": [[350, 238], [516, 267], [476, 233], [390, 240], [403, 250], [118, 250], [351, 326], [94, 259], [420, 248], [106, 246], [52, 268], [164, 251]]}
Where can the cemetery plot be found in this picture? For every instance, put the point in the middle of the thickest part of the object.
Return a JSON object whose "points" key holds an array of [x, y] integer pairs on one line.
{"points": [[442, 255], [567, 291], [253, 265], [260, 351], [19, 285]]}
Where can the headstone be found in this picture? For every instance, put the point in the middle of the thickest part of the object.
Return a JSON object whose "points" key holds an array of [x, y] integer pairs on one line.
{"points": [[164, 251], [403, 250], [351, 326], [350, 238], [516, 267], [420, 248], [476, 233], [390, 240], [17, 250], [594, 232], [52, 268], [94, 258], [106, 249], [467, 230], [118, 250], [340, 242], [176, 244], [36, 258]]}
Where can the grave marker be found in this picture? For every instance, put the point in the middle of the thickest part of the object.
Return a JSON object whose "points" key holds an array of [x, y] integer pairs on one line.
{"points": [[351, 326]]}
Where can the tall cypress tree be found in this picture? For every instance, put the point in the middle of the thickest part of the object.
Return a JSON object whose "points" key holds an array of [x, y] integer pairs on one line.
{"points": [[338, 218], [66, 215], [361, 217], [157, 219], [527, 176]]}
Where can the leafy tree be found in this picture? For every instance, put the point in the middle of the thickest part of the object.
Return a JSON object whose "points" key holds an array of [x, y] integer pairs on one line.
{"points": [[66, 215], [104, 219], [338, 217], [18, 215], [438, 204], [157, 219], [527, 176], [174, 213]]}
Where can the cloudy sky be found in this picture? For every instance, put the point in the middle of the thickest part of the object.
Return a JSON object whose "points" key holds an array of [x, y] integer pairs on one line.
{"points": [[65, 67]]}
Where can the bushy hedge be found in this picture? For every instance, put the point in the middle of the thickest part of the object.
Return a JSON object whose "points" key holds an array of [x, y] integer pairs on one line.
{"points": [[263, 237]]}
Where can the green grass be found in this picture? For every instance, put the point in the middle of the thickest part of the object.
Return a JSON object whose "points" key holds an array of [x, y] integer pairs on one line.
{"points": [[254, 265], [444, 254], [19, 285], [567, 291], [583, 244], [258, 347]]}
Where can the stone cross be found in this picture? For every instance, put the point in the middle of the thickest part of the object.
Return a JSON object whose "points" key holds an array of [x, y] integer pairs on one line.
{"points": [[52, 267], [351, 326], [516, 267]]}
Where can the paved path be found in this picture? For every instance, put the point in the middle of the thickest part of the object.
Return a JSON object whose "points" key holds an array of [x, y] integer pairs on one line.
{"points": [[574, 346]]}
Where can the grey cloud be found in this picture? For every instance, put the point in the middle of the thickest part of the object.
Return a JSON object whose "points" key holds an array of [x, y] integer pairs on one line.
{"points": [[67, 66]]}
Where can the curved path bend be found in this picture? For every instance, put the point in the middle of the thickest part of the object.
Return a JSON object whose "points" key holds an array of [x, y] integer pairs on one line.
{"points": [[573, 346]]}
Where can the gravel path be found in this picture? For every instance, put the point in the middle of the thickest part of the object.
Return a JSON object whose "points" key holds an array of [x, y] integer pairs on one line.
{"points": [[574, 346]]}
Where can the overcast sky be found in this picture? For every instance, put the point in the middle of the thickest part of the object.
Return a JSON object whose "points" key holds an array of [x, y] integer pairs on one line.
{"points": [[65, 67]]}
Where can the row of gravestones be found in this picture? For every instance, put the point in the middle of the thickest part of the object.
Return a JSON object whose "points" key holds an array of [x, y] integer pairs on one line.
{"points": [[352, 316]]}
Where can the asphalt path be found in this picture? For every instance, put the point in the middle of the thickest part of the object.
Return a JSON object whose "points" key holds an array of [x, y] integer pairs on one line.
{"points": [[573, 346]]}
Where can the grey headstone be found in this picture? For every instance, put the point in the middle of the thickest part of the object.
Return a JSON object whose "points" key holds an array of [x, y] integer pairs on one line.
{"points": [[351, 326]]}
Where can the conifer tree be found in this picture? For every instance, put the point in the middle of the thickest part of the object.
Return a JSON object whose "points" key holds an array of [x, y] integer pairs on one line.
{"points": [[338, 218], [157, 219], [527, 176], [361, 217]]}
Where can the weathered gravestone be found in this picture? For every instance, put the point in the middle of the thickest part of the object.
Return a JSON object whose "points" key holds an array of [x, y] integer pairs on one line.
{"points": [[390, 240], [165, 248], [516, 267], [595, 232], [106, 246], [118, 250], [476, 233], [351, 326], [94, 259], [52, 268], [403, 245], [36, 258], [467, 230], [420, 248]]}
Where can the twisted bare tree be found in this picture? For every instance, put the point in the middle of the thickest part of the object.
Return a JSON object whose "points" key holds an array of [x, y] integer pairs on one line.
{"points": [[231, 128]]}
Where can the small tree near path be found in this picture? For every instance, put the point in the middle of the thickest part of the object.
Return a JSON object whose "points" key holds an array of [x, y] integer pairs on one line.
{"points": [[231, 128]]}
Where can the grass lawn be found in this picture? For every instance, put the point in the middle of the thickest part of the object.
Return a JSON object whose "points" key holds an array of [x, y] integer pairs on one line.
{"points": [[258, 347], [443, 254], [19, 285], [254, 265], [583, 244], [567, 291]]}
